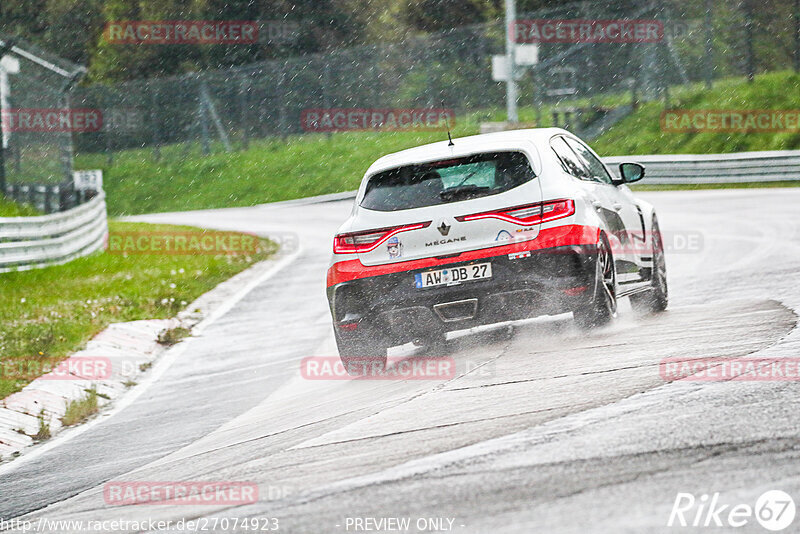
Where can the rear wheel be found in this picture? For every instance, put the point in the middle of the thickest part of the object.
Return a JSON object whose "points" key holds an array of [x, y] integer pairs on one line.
{"points": [[362, 352], [602, 307], [655, 299]]}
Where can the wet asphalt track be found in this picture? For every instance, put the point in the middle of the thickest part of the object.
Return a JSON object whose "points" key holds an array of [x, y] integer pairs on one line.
{"points": [[551, 430]]}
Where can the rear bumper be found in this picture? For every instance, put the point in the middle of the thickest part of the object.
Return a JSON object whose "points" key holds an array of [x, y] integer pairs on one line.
{"points": [[524, 284]]}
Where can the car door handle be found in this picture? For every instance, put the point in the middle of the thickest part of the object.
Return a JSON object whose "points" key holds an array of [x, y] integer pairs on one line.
{"points": [[618, 207]]}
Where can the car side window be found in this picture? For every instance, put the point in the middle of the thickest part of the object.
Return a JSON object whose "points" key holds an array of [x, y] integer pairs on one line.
{"points": [[571, 163], [596, 168]]}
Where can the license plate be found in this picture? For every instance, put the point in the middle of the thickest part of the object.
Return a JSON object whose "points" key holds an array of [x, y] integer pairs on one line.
{"points": [[453, 276]]}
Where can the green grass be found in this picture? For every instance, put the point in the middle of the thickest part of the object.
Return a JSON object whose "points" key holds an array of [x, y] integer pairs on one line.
{"points": [[81, 409], [172, 336], [640, 133], [47, 314], [314, 164], [12, 209], [43, 434], [271, 170]]}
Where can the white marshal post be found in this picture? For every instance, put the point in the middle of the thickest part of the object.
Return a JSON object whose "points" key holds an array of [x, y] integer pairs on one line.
{"points": [[8, 65], [511, 84]]}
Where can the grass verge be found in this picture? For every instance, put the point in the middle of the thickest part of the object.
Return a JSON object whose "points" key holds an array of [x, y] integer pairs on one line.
{"points": [[315, 164], [640, 133], [12, 209], [80, 410], [173, 335], [269, 171], [43, 434], [47, 314]]}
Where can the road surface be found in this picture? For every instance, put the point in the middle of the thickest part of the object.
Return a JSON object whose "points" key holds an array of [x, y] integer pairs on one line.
{"points": [[543, 429]]}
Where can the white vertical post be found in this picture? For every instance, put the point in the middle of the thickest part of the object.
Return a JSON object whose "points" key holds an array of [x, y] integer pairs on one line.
{"points": [[511, 84], [4, 90], [8, 65]]}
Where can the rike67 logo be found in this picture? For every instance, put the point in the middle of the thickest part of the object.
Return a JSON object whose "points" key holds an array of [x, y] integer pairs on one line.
{"points": [[774, 510]]}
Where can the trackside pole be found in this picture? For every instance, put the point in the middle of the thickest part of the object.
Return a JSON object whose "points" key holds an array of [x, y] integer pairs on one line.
{"points": [[511, 84]]}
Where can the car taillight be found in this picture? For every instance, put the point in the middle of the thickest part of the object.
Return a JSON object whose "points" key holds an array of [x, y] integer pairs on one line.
{"points": [[528, 214], [368, 240]]}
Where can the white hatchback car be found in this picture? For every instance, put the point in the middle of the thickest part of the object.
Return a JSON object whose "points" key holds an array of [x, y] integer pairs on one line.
{"points": [[486, 229]]}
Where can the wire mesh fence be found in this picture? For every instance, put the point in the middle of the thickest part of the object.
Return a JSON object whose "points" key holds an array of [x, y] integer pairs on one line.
{"points": [[699, 40], [38, 121], [267, 99]]}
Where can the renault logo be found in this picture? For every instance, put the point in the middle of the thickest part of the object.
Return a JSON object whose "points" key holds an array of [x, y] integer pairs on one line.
{"points": [[444, 229]]}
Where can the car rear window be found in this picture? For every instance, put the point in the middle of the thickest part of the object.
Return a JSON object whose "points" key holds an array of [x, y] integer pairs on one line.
{"points": [[441, 182]]}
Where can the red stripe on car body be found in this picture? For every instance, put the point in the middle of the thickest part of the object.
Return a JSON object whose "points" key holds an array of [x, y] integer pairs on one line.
{"points": [[560, 236]]}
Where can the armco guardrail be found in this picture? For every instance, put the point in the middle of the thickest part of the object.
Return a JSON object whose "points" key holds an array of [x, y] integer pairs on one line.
{"points": [[32, 242], [737, 167]]}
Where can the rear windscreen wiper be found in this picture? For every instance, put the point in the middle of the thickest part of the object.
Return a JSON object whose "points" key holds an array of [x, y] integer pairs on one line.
{"points": [[463, 191]]}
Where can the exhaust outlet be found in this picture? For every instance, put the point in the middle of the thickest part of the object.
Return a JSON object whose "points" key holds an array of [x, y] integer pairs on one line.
{"points": [[460, 310]]}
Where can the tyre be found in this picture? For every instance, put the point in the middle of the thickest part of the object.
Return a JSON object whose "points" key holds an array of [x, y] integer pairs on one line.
{"points": [[601, 308], [362, 352], [655, 299]]}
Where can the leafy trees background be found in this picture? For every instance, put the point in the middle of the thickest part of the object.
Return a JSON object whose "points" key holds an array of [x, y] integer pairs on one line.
{"points": [[73, 28]]}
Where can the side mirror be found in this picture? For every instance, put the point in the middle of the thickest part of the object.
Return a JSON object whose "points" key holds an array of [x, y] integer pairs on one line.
{"points": [[631, 172]]}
